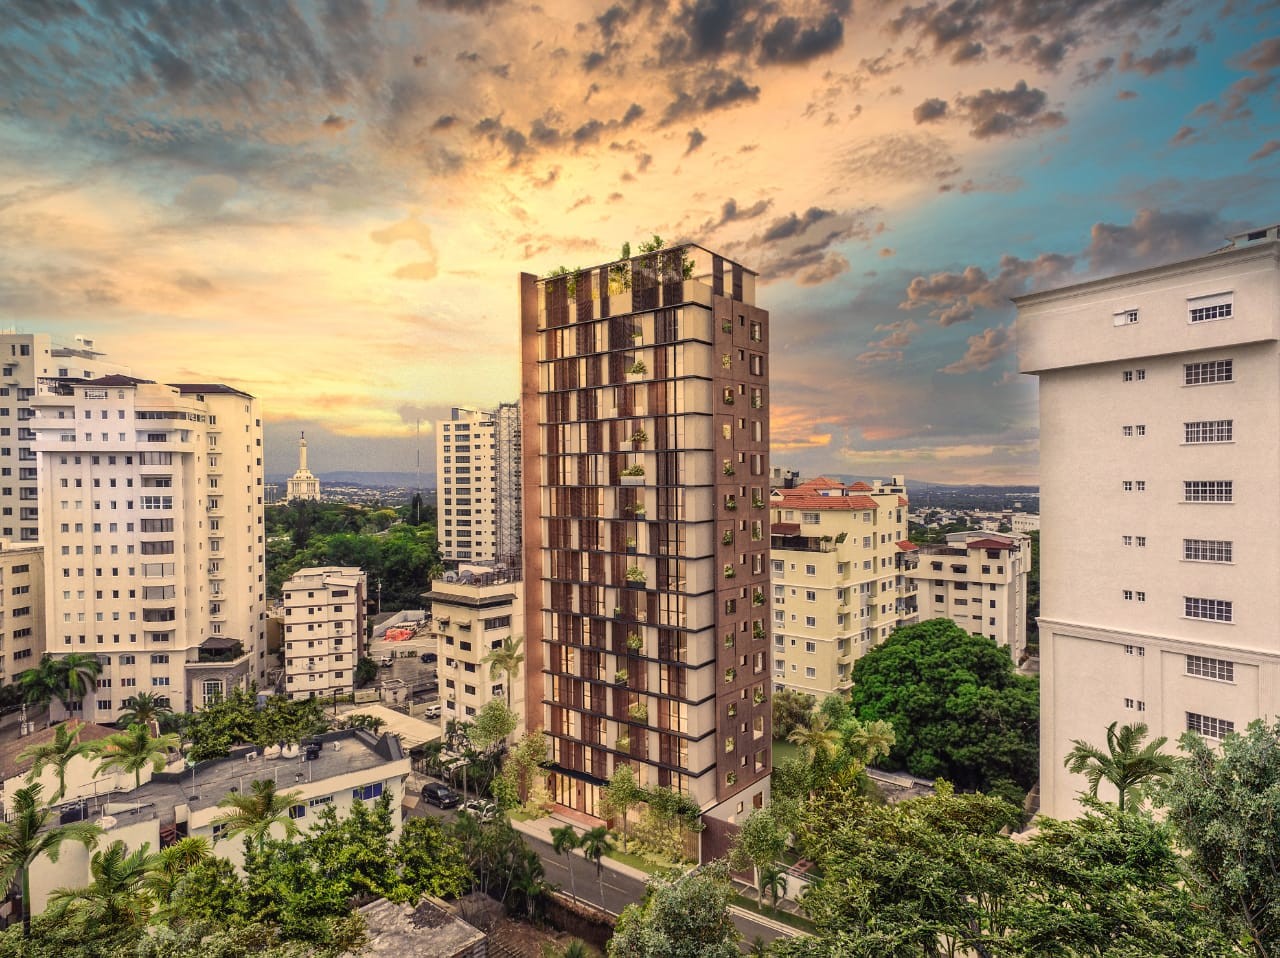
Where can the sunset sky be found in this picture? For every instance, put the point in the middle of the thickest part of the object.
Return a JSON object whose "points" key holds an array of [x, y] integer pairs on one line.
{"points": [[327, 204]]}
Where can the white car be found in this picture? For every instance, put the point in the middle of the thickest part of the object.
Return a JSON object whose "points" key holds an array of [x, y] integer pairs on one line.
{"points": [[432, 712]]}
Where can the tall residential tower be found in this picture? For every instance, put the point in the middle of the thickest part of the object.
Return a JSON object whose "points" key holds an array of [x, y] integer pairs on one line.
{"points": [[1159, 463], [478, 485], [646, 532]]}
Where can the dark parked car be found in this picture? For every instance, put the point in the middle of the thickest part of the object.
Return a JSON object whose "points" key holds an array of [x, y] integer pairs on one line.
{"points": [[428, 657], [442, 796]]}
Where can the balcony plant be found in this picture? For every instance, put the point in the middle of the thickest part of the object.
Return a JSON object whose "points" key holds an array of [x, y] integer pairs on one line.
{"points": [[726, 326], [729, 571], [758, 632], [623, 744], [841, 537], [732, 710], [634, 470], [729, 744], [727, 538], [635, 641], [631, 544], [635, 574], [757, 502], [617, 611], [620, 677], [726, 361], [636, 509], [728, 398], [730, 503], [638, 368], [637, 333], [730, 674], [757, 597], [758, 697], [728, 469], [728, 640], [731, 778], [757, 402], [638, 712], [639, 436]]}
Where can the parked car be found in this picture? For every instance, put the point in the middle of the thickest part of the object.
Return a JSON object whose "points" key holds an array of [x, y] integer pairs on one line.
{"points": [[386, 660], [442, 796], [432, 712], [428, 657], [481, 809]]}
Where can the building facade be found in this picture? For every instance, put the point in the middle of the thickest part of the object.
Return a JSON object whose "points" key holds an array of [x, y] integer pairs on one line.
{"points": [[1159, 411], [302, 484], [472, 613], [22, 622], [478, 485], [978, 580], [151, 519], [841, 578], [646, 532], [324, 624]]}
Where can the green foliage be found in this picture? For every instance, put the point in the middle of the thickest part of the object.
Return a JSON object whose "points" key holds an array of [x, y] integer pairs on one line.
{"points": [[759, 844], [504, 662], [1225, 806], [493, 723], [356, 850], [430, 862], [791, 709], [1125, 764], [620, 795], [237, 720], [366, 671], [116, 901], [288, 888], [68, 679], [133, 750], [682, 917], [958, 708], [520, 779], [256, 812], [1033, 595], [58, 753]]}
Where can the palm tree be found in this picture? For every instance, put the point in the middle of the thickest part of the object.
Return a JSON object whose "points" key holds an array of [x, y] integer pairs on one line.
{"points": [[117, 897], [144, 709], [817, 740], [65, 747], [172, 863], [133, 750], [869, 740], [564, 840], [594, 844], [1126, 764], [773, 882], [78, 676], [255, 813], [577, 948], [506, 660], [39, 685], [31, 833]]}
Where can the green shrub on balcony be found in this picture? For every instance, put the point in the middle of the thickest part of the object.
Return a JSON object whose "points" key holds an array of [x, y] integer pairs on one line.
{"points": [[635, 641], [728, 640], [731, 778], [732, 710], [727, 538], [635, 470], [729, 571], [757, 597], [726, 326], [729, 744], [726, 361], [758, 697], [620, 677], [638, 712], [728, 469], [635, 574], [623, 744], [757, 502], [729, 675], [639, 436], [638, 368], [731, 503], [757, 631]]}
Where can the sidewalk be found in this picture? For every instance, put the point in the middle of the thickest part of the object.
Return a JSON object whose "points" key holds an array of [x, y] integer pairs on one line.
{"points": [[541, 828]]}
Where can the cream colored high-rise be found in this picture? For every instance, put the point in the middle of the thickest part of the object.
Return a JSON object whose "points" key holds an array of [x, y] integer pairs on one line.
{"points": [[840, 578], [478, 485], [151, 517], [1159, 420], [978, 580], [324, 615], [21, 608]]}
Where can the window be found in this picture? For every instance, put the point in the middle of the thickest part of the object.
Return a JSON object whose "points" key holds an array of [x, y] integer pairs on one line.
{"points": [[1140, 374], [1209, 430], [297, 811], [810, 672], [811, 647], [1127, 376], [1138, 650], [1216, 610], [1127, 430], [1140, 541], [1207, 668], [1207, 490], [1135, 704], [1126, 317], [1127, 540], [367, 792], [1127, 485], [811, 570], [1208, 726], [1128, 595], [810, 621], [810, 595], [1206, 308], [1207, 550], [1213, 371]]}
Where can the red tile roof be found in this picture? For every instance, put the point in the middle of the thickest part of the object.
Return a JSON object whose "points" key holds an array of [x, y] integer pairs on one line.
{"points": [[902, 501], [908, 546], [860, 487], [821, 482], [989, 544], [800, 499], [784, 528]]}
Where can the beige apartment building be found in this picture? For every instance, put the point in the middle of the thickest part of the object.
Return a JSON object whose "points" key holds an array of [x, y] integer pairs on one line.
{"points": [[1159, 417], [841, 578], [324, 616], [472, 612], [151, 519], [978, 580], [22, 636], [478, 485], [646, 536]]}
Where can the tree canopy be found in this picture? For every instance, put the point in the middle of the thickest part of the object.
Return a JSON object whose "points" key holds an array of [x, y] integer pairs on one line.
{"points": [[959, 709]]}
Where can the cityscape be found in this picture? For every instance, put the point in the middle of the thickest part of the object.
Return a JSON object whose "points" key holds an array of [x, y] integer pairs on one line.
{"points": [[842, 557]]}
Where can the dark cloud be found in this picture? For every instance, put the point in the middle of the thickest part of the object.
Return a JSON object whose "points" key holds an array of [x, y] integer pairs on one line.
{"points": [[634, 112], [789, 41], [983, 350], [795, 224], [334, 123], [1091, 71], [589, 132], [1262, 60], [461, 6], [467, 56], [800, 245], [714, 90], [611, 19], [1166, 58], [732, 213], [955, 297], [1269, 148], [444, 122], [696, 139], [594, 59], [931, 109], [995, 113], [543, 134], [1155, 237]]}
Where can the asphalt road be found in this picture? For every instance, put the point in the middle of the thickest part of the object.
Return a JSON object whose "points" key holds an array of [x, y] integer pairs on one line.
{"points": [[612, 891]]}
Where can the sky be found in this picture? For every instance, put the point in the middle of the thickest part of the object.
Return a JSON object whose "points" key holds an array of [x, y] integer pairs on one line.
{"points": [[328, 204]]}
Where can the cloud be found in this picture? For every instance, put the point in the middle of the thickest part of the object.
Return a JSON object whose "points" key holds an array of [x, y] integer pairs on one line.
{"points": [[1091, 71], [1013, 112], [444, 122], [800, 245], [410, 230], [1267, 149], [334, 123], [955, 297], [1261, 61], [929, 110], [1184, 135], [898, 157], [696, 139], [1154, 237], [795, 224], [789, 41], [984, 349], [1166, 58], [207, 195], [889, 348], [714, 90], [730, 212]]}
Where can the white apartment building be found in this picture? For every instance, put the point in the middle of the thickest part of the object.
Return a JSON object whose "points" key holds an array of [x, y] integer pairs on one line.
{"points": [[151, 518], [1159, 413], [478, 485], [25, 358], [472, 612], [324, 614], [22, 635], [840, 579], [978, 580]]}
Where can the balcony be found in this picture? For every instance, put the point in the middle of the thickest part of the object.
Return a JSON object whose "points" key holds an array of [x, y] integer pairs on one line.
{"points": [[216, 650]]}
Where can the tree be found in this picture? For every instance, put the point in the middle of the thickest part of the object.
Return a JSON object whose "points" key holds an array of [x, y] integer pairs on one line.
{"points": [[59, 753], [958, 708], [1126, 764], [521, 769], [621, 795], [681, 917], [77, 677], [505, 661], [366, 671], [30, 834], [173, 863], [133, 750], [565, 840], [791, 709], [41, 684], [493, 723], [356, 850], [143, 709], [116, 900], [817, 740], [253, 814], [286, 887], [430, 860], [595, 844], [760, 842], [1225, 808], [773, 882]]}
